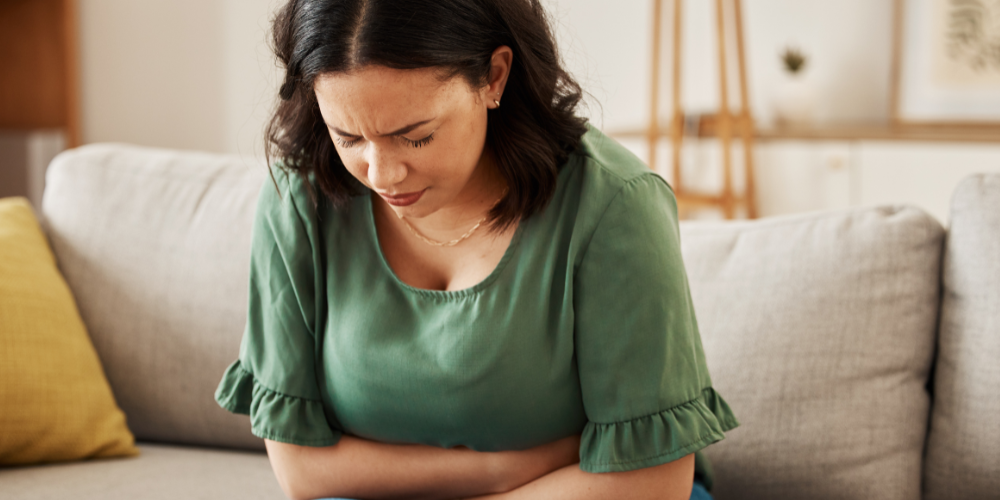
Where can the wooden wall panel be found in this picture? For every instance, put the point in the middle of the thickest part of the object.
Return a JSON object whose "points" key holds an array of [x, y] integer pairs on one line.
{"points": [[37, 65]]}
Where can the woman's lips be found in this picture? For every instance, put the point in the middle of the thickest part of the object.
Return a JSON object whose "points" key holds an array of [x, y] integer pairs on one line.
{"points": [[402, 200]]}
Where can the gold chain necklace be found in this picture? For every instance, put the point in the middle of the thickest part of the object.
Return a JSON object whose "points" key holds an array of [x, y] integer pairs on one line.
{"points": [[456, 240]]}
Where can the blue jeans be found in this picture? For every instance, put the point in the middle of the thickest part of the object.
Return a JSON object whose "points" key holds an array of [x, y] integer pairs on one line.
{"points": [[698, 492]]}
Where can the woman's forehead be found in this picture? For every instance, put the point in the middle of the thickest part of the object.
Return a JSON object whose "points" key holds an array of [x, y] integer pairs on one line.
{"points": [[377, 99]]}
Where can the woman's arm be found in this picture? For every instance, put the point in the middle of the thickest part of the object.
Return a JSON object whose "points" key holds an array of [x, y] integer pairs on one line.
{"points": [[670, 481], [359, 468]]}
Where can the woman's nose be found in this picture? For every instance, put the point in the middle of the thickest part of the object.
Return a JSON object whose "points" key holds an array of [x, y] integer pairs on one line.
{"points": [[385, 169]]}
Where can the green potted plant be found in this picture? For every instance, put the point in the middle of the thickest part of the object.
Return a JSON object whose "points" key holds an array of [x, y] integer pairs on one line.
{"points": [[795, 97]]}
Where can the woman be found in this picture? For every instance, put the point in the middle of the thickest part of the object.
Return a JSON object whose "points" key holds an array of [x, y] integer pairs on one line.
{"points": [[459, 288]]}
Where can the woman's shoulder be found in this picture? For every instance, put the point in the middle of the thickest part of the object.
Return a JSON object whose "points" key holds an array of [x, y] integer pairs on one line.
{"points": [[296, 200], [283, 190], [609, 173], [290, 190], [608, 156]]}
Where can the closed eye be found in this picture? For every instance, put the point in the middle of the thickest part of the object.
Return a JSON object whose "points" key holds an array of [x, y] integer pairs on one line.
{"points": [[351, 141], [344, 142], [421, 142]]}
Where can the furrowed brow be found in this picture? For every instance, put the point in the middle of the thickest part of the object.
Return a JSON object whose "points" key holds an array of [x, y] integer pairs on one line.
{"points": [[404, 130]]}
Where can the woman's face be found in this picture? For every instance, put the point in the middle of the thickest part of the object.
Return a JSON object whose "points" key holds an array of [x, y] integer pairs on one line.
{"points": [[411, 138]]}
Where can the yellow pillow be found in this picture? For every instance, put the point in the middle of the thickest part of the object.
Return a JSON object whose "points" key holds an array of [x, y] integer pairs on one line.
{"points": [[55, 402]]}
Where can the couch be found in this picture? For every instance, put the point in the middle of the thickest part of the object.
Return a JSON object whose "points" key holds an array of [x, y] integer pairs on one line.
{"points": [[859, 348]]}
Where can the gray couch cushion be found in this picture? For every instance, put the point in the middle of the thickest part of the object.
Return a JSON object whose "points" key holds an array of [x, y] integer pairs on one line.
{"points": [[819, 331], [160, 472], [155, 245], [963, 449]]}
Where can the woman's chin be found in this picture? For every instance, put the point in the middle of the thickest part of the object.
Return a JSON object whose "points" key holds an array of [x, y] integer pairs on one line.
{"points": [[417, 210]]}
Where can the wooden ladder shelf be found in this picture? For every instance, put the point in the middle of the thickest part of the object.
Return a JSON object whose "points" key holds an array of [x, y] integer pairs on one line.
{"points": [[724, 124]]}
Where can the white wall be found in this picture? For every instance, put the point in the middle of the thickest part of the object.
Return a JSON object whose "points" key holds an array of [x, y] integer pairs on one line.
{"points": [[848, 43], [252, 74], [198, 74], [190, 74]]}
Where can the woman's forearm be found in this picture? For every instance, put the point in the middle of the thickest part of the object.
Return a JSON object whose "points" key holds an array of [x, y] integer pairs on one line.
{"points": [[359, 468], [669, 481]]}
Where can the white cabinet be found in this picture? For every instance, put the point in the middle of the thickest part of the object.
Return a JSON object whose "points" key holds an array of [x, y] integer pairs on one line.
{"points": [[922, 174], [803, 176], [795, 175]]}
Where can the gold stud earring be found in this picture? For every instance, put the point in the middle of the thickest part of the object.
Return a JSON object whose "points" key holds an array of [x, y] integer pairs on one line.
{"points": [[496, 102]]}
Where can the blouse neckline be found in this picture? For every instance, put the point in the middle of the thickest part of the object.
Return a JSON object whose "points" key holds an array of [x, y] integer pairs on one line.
{"points": [[440, 294]]}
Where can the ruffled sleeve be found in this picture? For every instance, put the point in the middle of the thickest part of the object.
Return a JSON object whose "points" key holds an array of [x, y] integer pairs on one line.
{"points": [[274, 380], [646, 389]]}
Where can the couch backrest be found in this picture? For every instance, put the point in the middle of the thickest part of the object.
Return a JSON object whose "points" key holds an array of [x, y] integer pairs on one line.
{"points": [[819, 331], [963, 450], [155, 245]]}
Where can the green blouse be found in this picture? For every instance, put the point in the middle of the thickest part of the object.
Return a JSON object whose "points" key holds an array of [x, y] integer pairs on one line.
{"points": [[586, 326]]}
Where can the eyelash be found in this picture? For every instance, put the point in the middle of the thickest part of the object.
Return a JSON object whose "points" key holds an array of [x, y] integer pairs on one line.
{"points": [[421, 142], [416, 144]]}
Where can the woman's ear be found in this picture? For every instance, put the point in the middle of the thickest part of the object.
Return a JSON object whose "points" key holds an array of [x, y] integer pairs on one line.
{"points": [[500, 63]]}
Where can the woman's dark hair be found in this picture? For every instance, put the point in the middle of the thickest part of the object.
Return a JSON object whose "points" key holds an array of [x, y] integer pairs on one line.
{"points": [[529, 137]]}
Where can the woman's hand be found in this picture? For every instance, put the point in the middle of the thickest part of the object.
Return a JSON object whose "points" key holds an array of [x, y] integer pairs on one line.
{"points": [[673, 480], [516, 468], [361, 468]]}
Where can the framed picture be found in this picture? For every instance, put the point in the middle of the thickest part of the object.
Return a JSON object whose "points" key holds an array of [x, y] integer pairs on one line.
{"points": [[946, 63]]}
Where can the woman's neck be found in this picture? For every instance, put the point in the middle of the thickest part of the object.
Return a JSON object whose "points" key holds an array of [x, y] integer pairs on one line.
{"points": [[483, 191]]}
